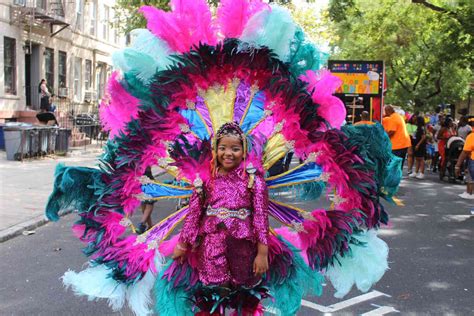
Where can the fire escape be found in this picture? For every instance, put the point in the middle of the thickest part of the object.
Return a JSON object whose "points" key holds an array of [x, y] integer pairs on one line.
{"points": [[40, 13]]}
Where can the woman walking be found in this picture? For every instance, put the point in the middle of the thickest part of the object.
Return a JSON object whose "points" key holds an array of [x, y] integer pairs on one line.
{"points": [[419, 148], [446, 131]]}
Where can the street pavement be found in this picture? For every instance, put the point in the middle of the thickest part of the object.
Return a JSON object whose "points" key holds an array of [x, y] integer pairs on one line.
{"points": [[431, 258], [26, 185]]}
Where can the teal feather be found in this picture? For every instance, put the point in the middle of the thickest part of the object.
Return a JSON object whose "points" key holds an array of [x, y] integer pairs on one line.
{"points": [[273, 28], [141, 65], [363, 265], [171, 300], [289, 293], [304, 55], [145, 42], [74, 188], [374, 146], [136, 88]]}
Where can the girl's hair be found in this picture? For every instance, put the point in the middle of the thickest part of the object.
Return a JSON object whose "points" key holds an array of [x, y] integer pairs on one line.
{"points": [[39, 86], [227, 129], [448, 121]]}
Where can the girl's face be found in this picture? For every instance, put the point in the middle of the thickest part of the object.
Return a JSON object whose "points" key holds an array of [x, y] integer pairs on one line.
{"points": [[229, 152]]}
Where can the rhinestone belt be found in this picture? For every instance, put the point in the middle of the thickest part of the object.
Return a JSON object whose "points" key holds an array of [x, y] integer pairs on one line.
{"points": [[224, 213]]}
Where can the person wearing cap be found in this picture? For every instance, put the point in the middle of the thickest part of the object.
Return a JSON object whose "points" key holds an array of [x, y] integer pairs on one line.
{"points": [[394, 125]]}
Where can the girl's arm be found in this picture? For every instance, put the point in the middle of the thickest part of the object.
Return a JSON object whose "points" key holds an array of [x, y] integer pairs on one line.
{"points": [[440, 135], [45, 90], [260, 210], [260, 224], [422, 140], [190, 228]]}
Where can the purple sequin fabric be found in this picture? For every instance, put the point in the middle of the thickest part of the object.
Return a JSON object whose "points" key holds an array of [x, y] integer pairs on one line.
{"points": [[227, 246]]}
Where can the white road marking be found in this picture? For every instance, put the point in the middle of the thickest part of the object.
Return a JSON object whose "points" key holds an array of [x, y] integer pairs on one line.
{"points": [[343, 304], [382, 310]]}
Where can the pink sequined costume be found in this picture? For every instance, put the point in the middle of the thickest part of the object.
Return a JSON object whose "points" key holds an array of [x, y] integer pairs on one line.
{"points": [[229, 219]]}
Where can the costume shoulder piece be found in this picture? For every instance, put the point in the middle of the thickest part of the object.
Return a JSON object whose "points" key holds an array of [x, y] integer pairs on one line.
{"points": [[182, 78]]}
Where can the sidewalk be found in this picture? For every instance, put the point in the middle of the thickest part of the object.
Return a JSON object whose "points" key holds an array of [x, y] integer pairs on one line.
{"points": [[25, 187]]}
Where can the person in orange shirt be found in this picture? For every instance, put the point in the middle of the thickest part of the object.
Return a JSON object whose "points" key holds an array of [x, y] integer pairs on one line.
{"points": [[468, 152], [364, 119], [394, 125]]}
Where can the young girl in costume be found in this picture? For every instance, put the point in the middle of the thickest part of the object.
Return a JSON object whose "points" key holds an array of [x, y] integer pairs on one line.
{"points": [[168, 104], [227, 225]]}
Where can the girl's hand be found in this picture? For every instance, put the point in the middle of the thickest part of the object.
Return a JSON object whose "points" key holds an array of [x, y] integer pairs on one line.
{"points": [[179, 252], [260, 264]]}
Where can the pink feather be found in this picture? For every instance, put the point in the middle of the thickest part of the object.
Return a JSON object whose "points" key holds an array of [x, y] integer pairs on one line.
{"points": [[166, 247], [189, 23], [233, 15], [118, 108], [322, 85]]}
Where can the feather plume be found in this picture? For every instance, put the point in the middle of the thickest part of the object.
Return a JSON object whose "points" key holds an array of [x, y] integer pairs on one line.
{"points": [[188, 24], [322, 85], [233, 15], [118, 108]]}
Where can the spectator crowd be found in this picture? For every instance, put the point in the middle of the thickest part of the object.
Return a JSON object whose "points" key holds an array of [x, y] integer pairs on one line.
{"points": [[434, 142]]}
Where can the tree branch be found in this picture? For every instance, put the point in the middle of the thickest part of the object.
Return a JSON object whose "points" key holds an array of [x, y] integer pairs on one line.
{"points": [[438, 86], [417, 79], [436, 8], [399, 79], [431, 6]]}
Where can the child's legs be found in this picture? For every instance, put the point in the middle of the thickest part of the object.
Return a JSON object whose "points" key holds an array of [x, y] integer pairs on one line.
{"points": [[420, 165], [147, 209], [147, 214], [213, 266], [241, 254]]}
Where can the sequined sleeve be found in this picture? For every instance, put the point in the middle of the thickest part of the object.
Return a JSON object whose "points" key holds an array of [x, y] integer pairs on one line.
{"points": [[190, 228], [260, 209]]}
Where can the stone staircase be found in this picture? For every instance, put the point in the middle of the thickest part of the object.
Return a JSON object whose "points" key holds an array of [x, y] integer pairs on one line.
{"points": [[79, 139]]}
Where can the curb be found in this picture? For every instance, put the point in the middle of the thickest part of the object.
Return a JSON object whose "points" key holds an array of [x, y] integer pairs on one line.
{"points": [[18, 229]]}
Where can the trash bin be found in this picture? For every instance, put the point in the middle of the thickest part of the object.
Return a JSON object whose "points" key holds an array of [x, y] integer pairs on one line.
{"points": [[62, 140], [34, 142], [53, 134], [44, 139], [17, 140], [2, 138]]}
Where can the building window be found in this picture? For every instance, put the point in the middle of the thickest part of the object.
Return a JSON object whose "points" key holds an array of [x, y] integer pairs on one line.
{"points": [[62, 70], [93, 15], [49, 66], [78, 79], [41, 4], [105, 23], [79, 14], [116, 36], [88, 75], [9, 62]]}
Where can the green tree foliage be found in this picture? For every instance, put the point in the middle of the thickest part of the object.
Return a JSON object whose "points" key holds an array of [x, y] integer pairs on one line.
{"points": [[311, 21], [427, 47]]}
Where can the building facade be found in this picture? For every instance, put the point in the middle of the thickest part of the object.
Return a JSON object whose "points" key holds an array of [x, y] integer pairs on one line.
{"points": [[69, 43]]}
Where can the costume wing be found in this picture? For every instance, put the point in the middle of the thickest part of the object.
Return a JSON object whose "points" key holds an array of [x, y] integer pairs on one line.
{"points": [[183, 77]]}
